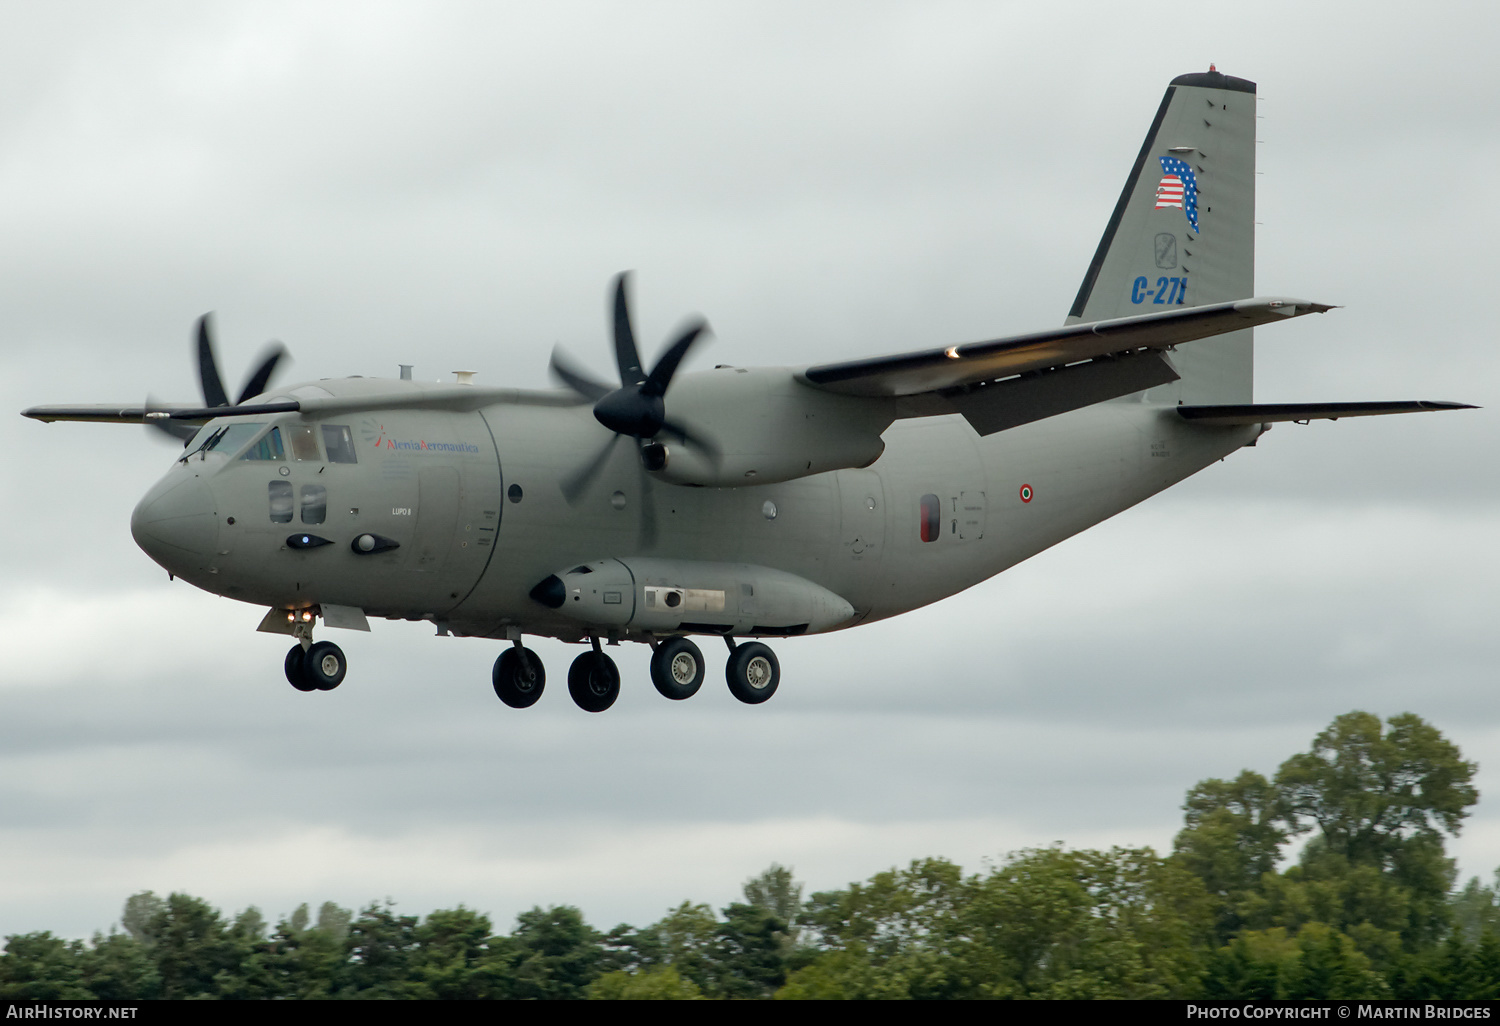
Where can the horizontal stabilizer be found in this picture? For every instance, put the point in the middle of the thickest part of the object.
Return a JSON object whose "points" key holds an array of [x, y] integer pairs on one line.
{"points": [[1267, 413], [933, 369]]}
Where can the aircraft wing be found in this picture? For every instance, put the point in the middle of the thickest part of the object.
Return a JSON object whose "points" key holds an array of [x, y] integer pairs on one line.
{"points": [[1006, 382], [971, 363], [457, 398]]}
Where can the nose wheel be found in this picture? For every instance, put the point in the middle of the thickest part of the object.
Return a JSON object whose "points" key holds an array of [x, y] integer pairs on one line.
{"points": [[321, 667]]}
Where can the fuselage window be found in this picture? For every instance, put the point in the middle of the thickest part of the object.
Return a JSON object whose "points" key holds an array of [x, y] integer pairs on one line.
{"points": [[281, 502], [268, 448], [314, 504], [339, 443], [932, 518], [304, 441]]}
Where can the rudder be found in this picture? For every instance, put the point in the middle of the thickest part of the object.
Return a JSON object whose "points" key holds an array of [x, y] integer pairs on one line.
{"points": [[1183, 232]]}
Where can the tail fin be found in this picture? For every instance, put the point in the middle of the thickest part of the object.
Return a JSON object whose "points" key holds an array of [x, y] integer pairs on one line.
{"points": [[1183, 232]]}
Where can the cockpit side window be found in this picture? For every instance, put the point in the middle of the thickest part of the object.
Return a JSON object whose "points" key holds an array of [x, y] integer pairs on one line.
{"points": [[268, 448], [339, 442]]}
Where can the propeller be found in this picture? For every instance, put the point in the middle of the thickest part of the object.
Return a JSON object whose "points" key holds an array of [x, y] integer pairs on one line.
{"points": [[637, 408], [212, 386]]}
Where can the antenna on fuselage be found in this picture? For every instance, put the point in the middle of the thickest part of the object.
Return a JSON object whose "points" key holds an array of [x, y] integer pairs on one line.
{"points": [[405, 372]]}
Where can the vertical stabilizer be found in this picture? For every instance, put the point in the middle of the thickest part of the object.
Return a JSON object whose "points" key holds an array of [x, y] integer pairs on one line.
{"points": [[1183, 232]]}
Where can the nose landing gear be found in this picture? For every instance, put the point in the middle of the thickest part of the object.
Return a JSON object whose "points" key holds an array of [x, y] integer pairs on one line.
{"points": [[321, 667]]}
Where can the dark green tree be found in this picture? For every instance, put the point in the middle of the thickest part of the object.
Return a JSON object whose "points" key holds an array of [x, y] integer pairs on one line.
{"points": [[41, 967], [191, 946], [555, 954], [1371, 792], [380, 946], [1232, 837], [119, 968]]}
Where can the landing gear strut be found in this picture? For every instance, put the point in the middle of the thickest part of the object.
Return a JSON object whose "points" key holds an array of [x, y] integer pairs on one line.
{"points": [[519, 677], [753, 672], [594, 680], [677, 668]]}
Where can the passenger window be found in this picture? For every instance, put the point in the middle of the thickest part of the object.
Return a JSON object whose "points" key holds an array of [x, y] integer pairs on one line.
{"points": [[314, 504], [932, 518], [281, 502], [304, 441], [268, 448], [339, 443]]}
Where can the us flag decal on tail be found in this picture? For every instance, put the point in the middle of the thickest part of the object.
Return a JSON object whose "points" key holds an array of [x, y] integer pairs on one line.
{"points": [[1178, 188]]}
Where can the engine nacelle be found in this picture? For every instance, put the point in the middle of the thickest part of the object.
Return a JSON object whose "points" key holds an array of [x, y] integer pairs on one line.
{"points": [[767, 427], [685, 596]]}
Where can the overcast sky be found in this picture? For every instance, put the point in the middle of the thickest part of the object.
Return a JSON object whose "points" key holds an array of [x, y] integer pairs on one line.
{"points": [[452, 185]]}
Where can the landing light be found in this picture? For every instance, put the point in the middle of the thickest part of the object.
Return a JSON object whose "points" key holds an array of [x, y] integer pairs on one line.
{"points": [[952, 352]]}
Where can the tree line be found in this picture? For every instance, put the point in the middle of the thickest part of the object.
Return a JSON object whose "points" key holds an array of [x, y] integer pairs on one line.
{"points": [[1368, 909]]}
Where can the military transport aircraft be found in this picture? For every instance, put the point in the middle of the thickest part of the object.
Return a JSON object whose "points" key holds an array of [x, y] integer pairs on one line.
{"points": [[742, 502]]}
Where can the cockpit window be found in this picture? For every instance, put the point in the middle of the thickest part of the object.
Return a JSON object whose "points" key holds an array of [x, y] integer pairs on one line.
{"points": [[304, 441], [339, 443], [268, 448]]}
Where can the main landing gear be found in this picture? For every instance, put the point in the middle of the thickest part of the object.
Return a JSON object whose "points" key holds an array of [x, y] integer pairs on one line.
{"points": [[319, 667], [677, 671], [594, 680]]}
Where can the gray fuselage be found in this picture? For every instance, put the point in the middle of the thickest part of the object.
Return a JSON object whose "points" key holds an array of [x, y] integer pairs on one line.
{"points": [[474, 504]]}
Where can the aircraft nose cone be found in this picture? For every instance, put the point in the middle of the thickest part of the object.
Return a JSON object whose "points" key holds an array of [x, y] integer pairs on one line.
{"points": [[176, 523]]}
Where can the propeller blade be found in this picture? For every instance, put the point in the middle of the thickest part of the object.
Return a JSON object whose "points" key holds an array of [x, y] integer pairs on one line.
{"points": [[627, 356], [565, 370], [578, 482], [275, 352], [696, 439], [208, 368], [661, 375]]}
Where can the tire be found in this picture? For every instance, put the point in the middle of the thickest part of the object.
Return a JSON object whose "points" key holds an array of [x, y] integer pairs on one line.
{"points": [[677, 668], [594, 682], [294, 673], [753, 672], [324, 666], [519, 678]]}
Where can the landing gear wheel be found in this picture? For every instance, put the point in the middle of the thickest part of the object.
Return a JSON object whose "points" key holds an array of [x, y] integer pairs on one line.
{"points": [[519, 678], [677, 668], [294, 674], [594, 681], [324, 666], [753, 672]]}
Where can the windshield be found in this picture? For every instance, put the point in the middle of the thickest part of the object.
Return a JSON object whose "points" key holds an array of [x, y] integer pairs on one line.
{"points": [[224, 440]]}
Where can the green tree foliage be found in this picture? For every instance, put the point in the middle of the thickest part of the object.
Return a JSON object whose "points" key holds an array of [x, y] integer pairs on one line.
{"points": [[1367, 911], [779, 893], [41, 967], [1232, 838], [1372, 793], [556, 954]]}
